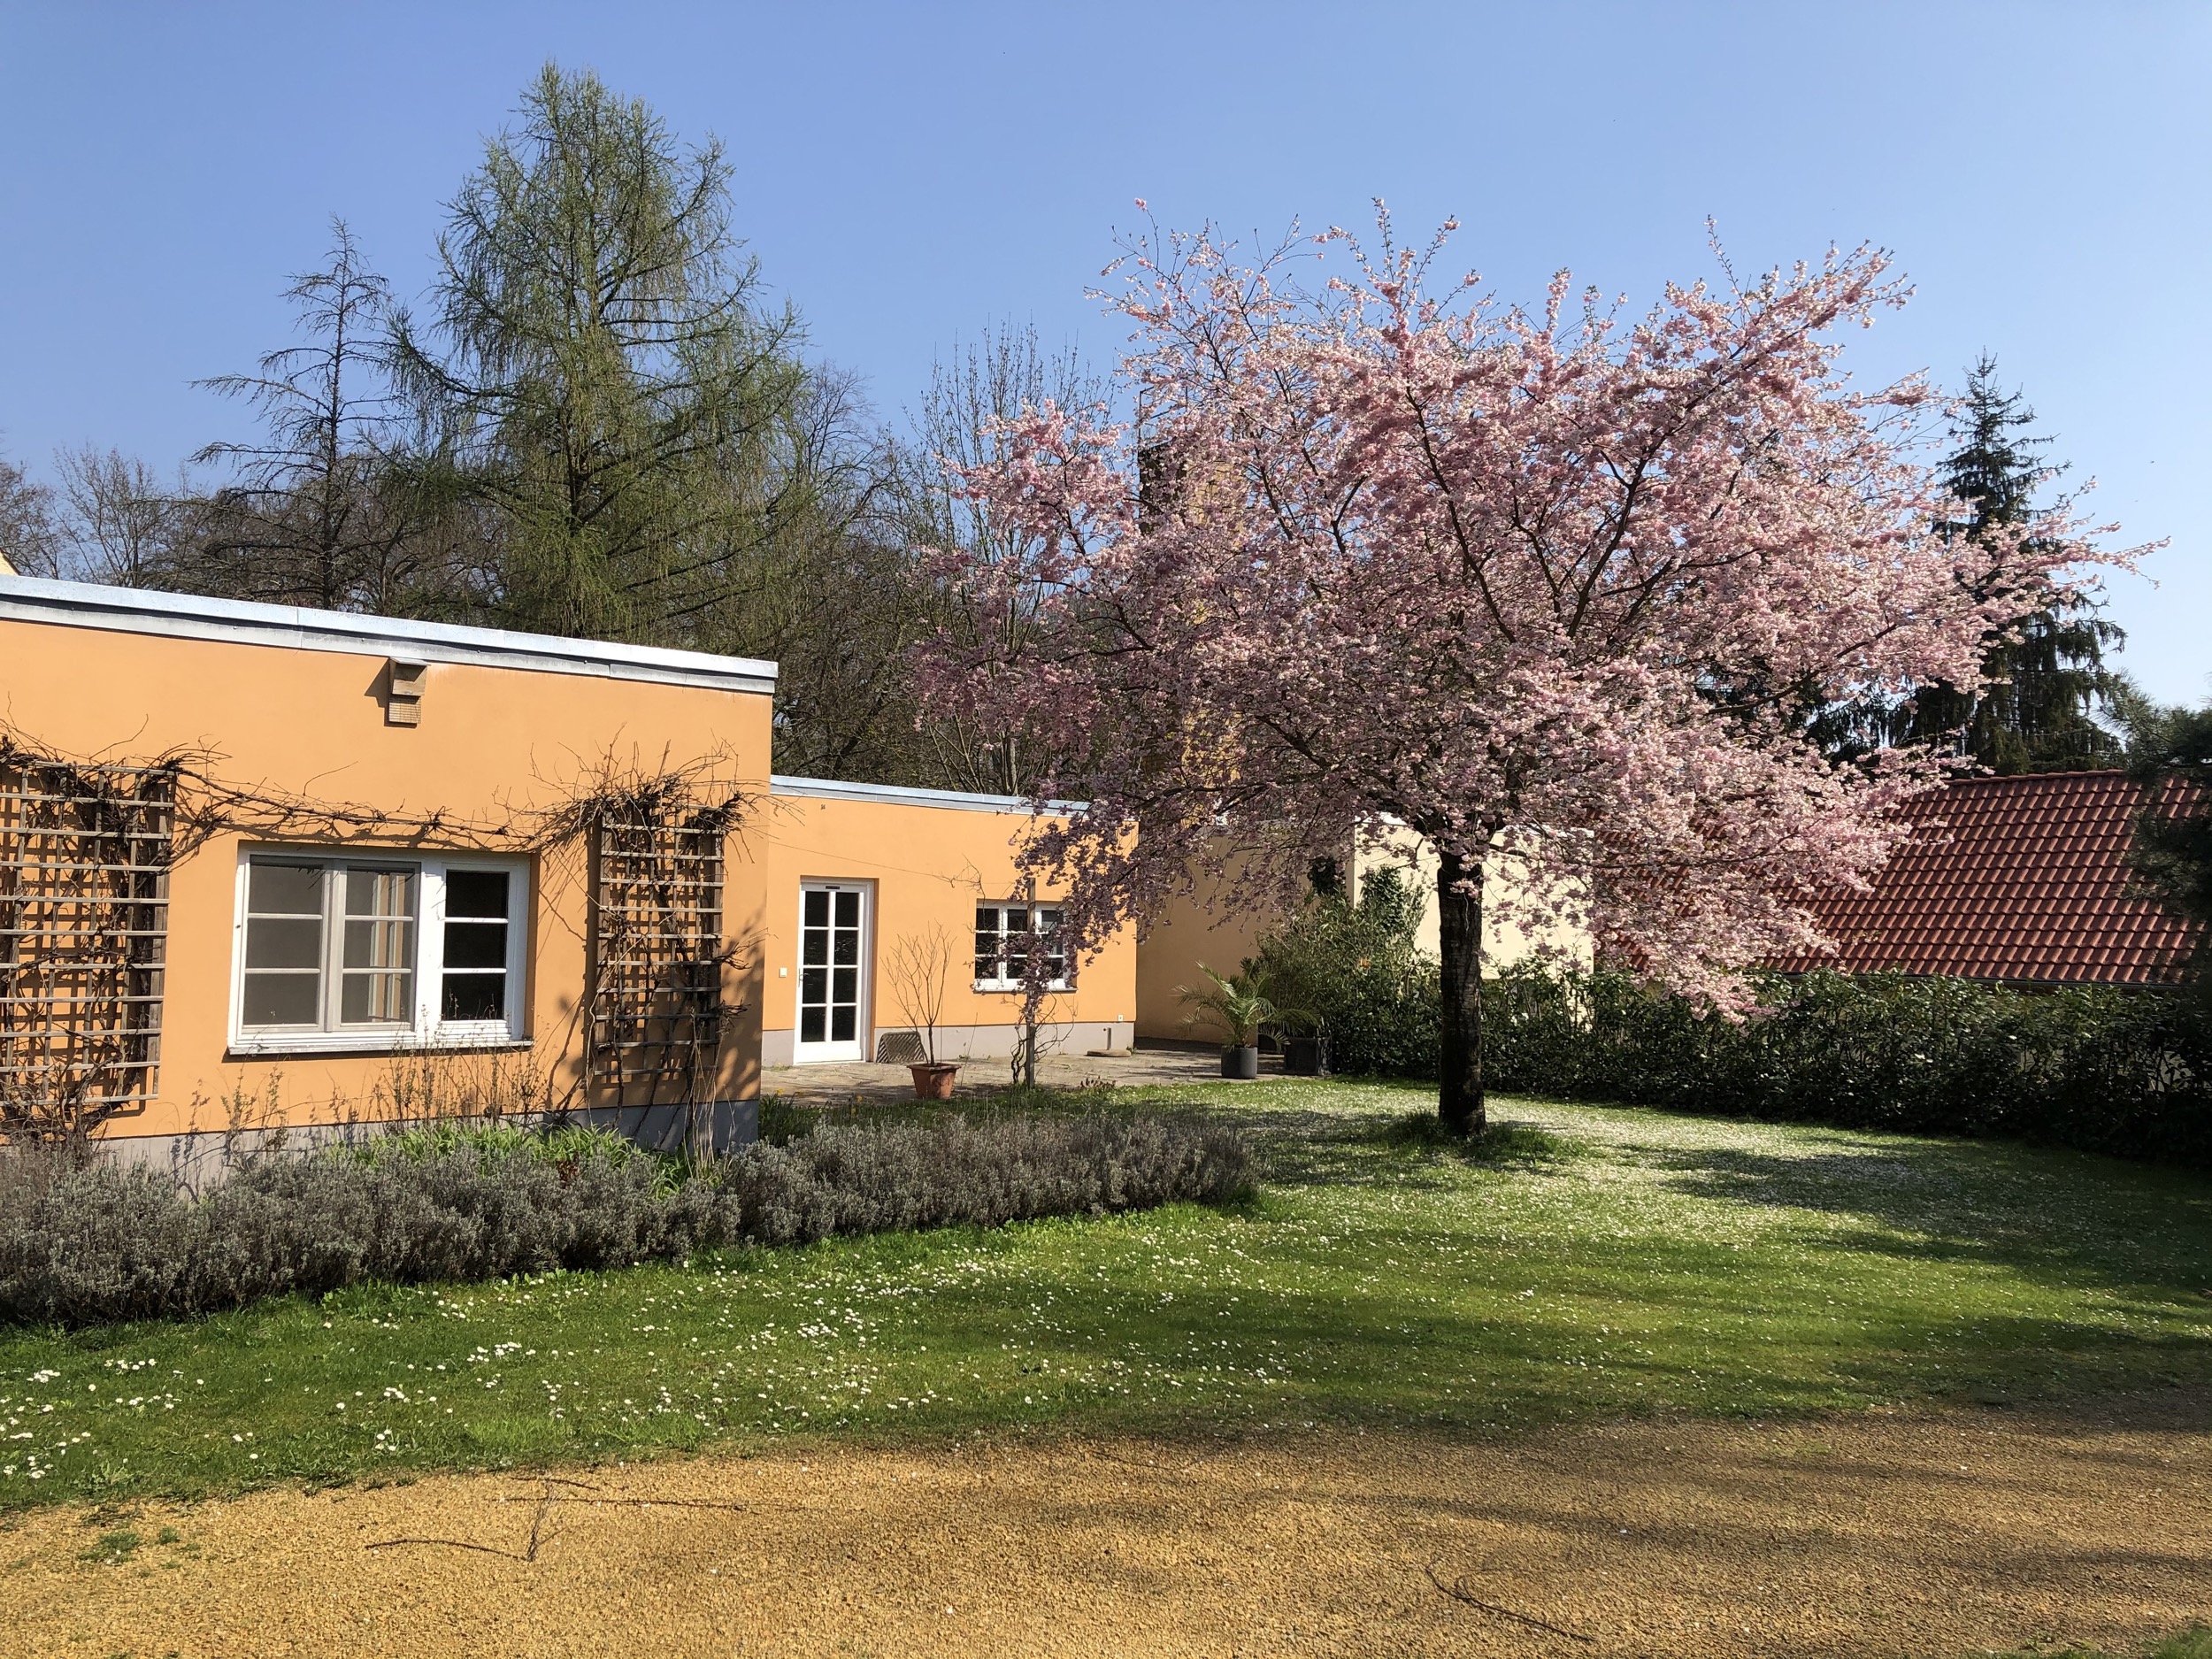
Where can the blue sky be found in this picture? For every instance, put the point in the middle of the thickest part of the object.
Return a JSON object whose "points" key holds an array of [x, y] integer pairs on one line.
{"points": [[910, 173]]}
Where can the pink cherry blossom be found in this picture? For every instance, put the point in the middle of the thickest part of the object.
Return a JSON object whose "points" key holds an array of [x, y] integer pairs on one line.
{"points": [[1559, 590]]}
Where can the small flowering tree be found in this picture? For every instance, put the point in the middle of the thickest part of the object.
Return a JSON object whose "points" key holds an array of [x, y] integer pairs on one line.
{"points": [[1562, 591]]}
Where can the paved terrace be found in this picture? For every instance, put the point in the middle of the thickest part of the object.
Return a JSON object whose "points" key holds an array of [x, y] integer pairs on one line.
{"points": [[864, 1081]]}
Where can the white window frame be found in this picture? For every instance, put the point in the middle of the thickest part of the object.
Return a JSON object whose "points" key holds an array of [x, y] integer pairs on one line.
{"points": [[1038, 909], [426, 1030], [829, 1051]]}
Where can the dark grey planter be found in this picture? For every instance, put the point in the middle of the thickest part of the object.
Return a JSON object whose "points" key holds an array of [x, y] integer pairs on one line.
{"points": [[1306, 1056], [1241, 1063]]}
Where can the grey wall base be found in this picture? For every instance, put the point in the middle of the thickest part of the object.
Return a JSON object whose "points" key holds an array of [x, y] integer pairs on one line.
{"points": [[198, 1156], [661, 1128], [962, 1043]]}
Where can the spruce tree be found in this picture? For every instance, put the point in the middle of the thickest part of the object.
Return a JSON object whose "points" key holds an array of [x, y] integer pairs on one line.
{"points": [[2047, 681]]}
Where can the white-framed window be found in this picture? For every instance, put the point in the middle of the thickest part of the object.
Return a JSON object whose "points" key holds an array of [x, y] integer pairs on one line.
{"points": [[366, 952], [1005, 935]]}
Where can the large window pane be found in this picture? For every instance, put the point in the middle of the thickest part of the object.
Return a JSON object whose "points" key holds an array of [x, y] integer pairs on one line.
{"points": [[379, 986], [472, 984], [475, 945], [477, 893], [284, 945], [284, 889], [282, 999], [473, 996], [305, 918], [284, 942], [377, 999], [1055, 954]]}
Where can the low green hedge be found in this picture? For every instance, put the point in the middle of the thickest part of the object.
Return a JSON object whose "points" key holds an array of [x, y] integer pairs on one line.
{"points": [[2105, 1070]]}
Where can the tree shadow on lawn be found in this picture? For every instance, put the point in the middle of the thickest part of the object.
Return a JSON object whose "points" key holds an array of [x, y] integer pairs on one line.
{"points": [[1352, 1350], [2063, 1219]]}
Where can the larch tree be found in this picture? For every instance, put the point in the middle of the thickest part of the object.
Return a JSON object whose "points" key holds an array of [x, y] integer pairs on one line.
{"points": [[612, 389], [1557, 590]]}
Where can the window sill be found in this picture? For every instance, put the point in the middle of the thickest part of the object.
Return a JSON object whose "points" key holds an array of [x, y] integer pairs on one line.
{"points": [[337, 1044]]}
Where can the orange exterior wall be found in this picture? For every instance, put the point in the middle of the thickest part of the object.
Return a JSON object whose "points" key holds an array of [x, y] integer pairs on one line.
{"points": [[493, 741], [1188, 935], [929, 865]]}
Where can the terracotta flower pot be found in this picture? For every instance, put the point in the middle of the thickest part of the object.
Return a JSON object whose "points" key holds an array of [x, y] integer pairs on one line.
{"points": [[933, 1082]]}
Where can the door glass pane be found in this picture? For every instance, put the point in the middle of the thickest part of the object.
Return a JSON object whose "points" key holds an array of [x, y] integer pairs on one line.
{"points": [[818, 908], [843, 1022], [811, 1025], [844, 985], [848, 910]]}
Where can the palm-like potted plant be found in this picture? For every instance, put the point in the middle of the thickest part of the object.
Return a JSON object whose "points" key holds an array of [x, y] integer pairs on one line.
{"points": [[919, 968], [1236, 1006]]}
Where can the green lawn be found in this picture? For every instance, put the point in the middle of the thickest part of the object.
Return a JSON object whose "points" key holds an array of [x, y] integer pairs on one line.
{"points": [[1618, 1262]]}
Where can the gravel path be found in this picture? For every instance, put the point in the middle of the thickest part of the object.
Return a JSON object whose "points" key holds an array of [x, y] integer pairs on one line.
{"points": [[1917, 1535]]}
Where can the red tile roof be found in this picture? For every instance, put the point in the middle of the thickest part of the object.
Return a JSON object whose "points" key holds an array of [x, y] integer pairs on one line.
{"points": [[2023, 880]]}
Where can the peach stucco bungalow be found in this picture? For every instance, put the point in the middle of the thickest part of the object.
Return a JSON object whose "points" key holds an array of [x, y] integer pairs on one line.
{"points": [[298, 865]]}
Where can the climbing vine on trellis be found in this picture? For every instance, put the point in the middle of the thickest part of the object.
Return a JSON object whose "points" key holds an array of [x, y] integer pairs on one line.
{"points": [[86, 849]]}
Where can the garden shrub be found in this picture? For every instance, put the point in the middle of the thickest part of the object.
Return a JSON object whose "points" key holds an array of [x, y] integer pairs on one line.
{"points": [[1351, 968], [2098, 1068], [83, 1245]]}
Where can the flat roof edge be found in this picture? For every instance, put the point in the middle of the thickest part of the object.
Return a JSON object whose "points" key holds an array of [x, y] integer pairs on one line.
{"points": [[902, 795], [244, 622]]}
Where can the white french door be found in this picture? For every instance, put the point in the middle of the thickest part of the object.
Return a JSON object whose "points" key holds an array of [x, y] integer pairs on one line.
{"points": [[833, 972]]}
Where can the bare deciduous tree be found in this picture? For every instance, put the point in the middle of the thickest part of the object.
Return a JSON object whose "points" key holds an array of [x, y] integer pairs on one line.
{"points": [[333, 508], [30, 542], [122, 526], [919, 968], [995, 379]]}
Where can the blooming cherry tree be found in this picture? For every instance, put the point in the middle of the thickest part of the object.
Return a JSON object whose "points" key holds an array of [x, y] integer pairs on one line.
{"points": [[1560, 591]]}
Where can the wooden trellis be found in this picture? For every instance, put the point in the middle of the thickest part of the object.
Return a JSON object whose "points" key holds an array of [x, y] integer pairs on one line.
{"points": [[85, 851], [657, 954]]}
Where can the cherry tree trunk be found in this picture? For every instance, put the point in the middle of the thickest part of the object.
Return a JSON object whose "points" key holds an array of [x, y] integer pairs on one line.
{"points": [[1459, 928]]}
